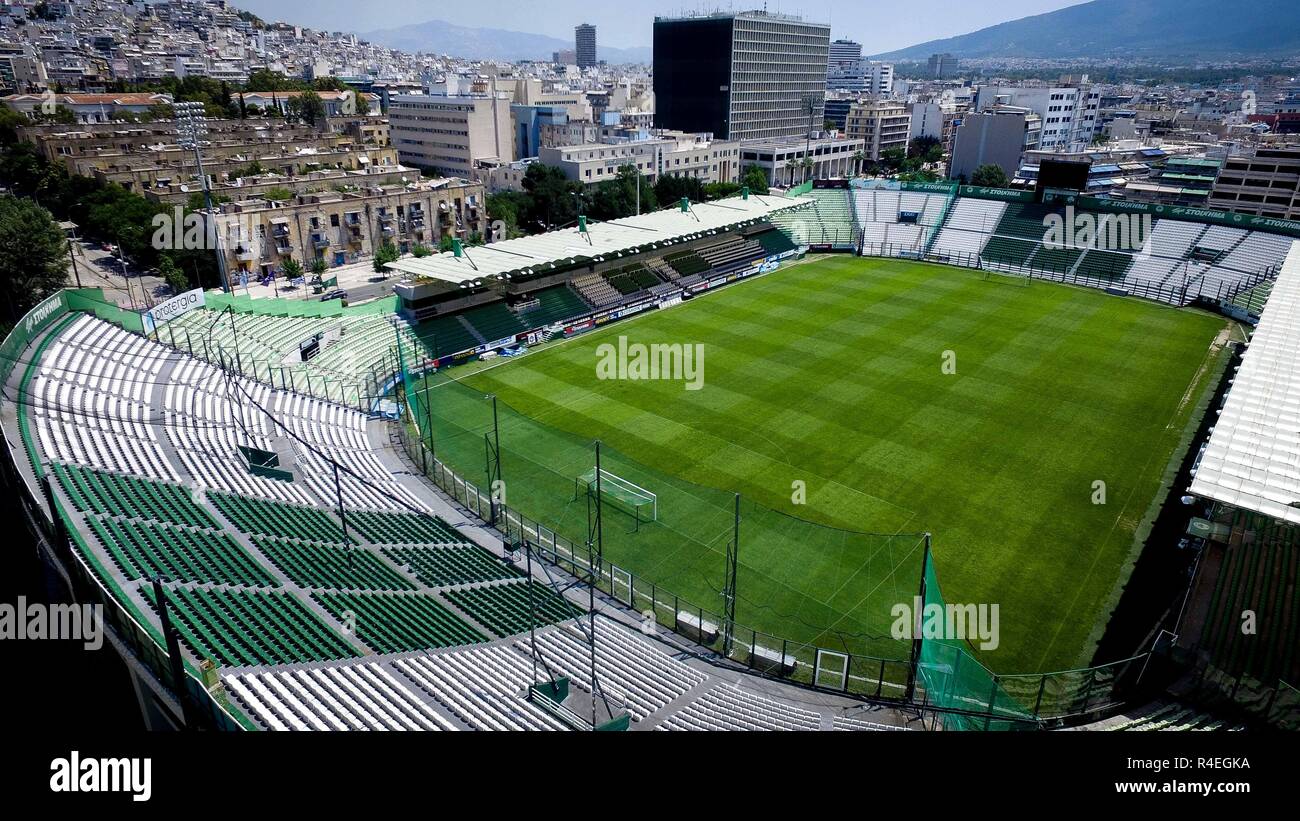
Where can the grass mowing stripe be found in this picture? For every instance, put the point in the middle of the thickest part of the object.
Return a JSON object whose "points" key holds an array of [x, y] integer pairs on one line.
{"points": [[830, 372]]}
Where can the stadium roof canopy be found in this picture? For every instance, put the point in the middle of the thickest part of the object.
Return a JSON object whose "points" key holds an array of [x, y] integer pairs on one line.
{"points": [[1252, 460], [602, 241]]}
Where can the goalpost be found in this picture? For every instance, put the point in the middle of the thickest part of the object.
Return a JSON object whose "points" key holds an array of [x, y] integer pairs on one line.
{"points": [[627, 496], [1022, 278]]}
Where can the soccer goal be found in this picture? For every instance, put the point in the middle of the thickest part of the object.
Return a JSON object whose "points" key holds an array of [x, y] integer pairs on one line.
{"points": [[1010, 275], [631, 498]]}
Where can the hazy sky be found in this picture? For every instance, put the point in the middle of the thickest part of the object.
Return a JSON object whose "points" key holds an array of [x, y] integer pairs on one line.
{"points": [[880, 25]]}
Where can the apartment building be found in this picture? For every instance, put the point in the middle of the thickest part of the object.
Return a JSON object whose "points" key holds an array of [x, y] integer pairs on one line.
{"points": [[1000, 137], [1266, 183], [1070, 114], [740, 76], [791, 160], [89, 108], [680, 155], [880, 124], [554, 135], [257, 235], [451, 134]]}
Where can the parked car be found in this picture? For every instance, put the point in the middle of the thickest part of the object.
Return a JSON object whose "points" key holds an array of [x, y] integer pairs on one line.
{"points": [[335, 294]]}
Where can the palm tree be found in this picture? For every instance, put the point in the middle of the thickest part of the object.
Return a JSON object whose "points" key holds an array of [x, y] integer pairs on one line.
{"points": [[859, 157]]}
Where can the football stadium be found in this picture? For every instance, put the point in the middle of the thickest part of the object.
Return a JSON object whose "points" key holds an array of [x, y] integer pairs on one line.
{"points": [[861, 456]]}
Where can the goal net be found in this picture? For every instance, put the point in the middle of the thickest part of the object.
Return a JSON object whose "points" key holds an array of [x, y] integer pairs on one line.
{"points": [[622, 494]]}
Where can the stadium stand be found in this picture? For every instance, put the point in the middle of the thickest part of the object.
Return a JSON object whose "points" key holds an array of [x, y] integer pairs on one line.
{"points": [[1167, 717], [729, 707], [503, 607], [353, 697], [241, 627], [447, 334], [554, 305], [129, 496], [627, 668], [829, 220], [885, 232], [439, 566], [686, 263], [142, 549], [597, 290], [394, 622], [731, 254], [329, 566], [275, 519], [481, 686], [404, 528], [1177, 262], [969, 226]]}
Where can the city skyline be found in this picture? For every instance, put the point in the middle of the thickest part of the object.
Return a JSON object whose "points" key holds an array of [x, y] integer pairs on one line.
{"points": [[874, 23]]}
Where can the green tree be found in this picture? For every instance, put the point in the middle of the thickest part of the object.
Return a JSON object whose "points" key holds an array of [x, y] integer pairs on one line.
{"points": [[61, 114], [10, 122], [362, 104], [419, 250], [33, 256], [445, 244], [171, 274], [511, 208], [754, 179], [319, 266], [292, 268], [720, 190], [617, 198], [670, 189], [551, 194], [311, 108], [892, 159], [385, 254], [989, 176]]}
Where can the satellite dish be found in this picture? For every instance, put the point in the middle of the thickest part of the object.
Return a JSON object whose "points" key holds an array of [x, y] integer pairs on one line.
{"points": [[184, 188]]}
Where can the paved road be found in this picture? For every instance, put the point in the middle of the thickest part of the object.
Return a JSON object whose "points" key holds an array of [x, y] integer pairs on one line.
{"points": [[97, 268], [358, 279]]}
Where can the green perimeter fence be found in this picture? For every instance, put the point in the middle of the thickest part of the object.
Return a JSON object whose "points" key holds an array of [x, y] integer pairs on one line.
{"points": [[521, 475]]}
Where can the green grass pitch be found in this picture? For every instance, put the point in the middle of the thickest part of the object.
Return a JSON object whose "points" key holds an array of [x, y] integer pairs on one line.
{"points": [[831, 373]]}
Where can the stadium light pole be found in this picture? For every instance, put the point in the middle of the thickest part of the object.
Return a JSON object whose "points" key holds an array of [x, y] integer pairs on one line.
{"points": [[191, 127]]}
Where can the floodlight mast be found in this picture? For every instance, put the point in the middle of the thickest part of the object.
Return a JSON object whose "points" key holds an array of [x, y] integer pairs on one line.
{"points": [[191, 127]]}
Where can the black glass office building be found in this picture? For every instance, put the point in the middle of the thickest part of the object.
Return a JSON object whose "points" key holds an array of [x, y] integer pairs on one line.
{"points": [[750, 75]]}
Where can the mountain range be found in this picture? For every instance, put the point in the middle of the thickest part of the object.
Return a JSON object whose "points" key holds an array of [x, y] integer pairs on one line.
{"points": [[1133, 28], [441, 37]]}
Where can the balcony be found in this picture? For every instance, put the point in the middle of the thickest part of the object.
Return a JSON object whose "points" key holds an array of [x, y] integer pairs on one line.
{"points": [[244, 253], [320, 241]]}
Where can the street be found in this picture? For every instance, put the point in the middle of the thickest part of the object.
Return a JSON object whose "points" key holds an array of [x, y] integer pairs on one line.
{"points": [[97, 268]]}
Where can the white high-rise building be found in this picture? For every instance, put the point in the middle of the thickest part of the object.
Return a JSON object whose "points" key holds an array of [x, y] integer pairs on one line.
{"points": [[1069, 113], [878, 77], [844, 66]]}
